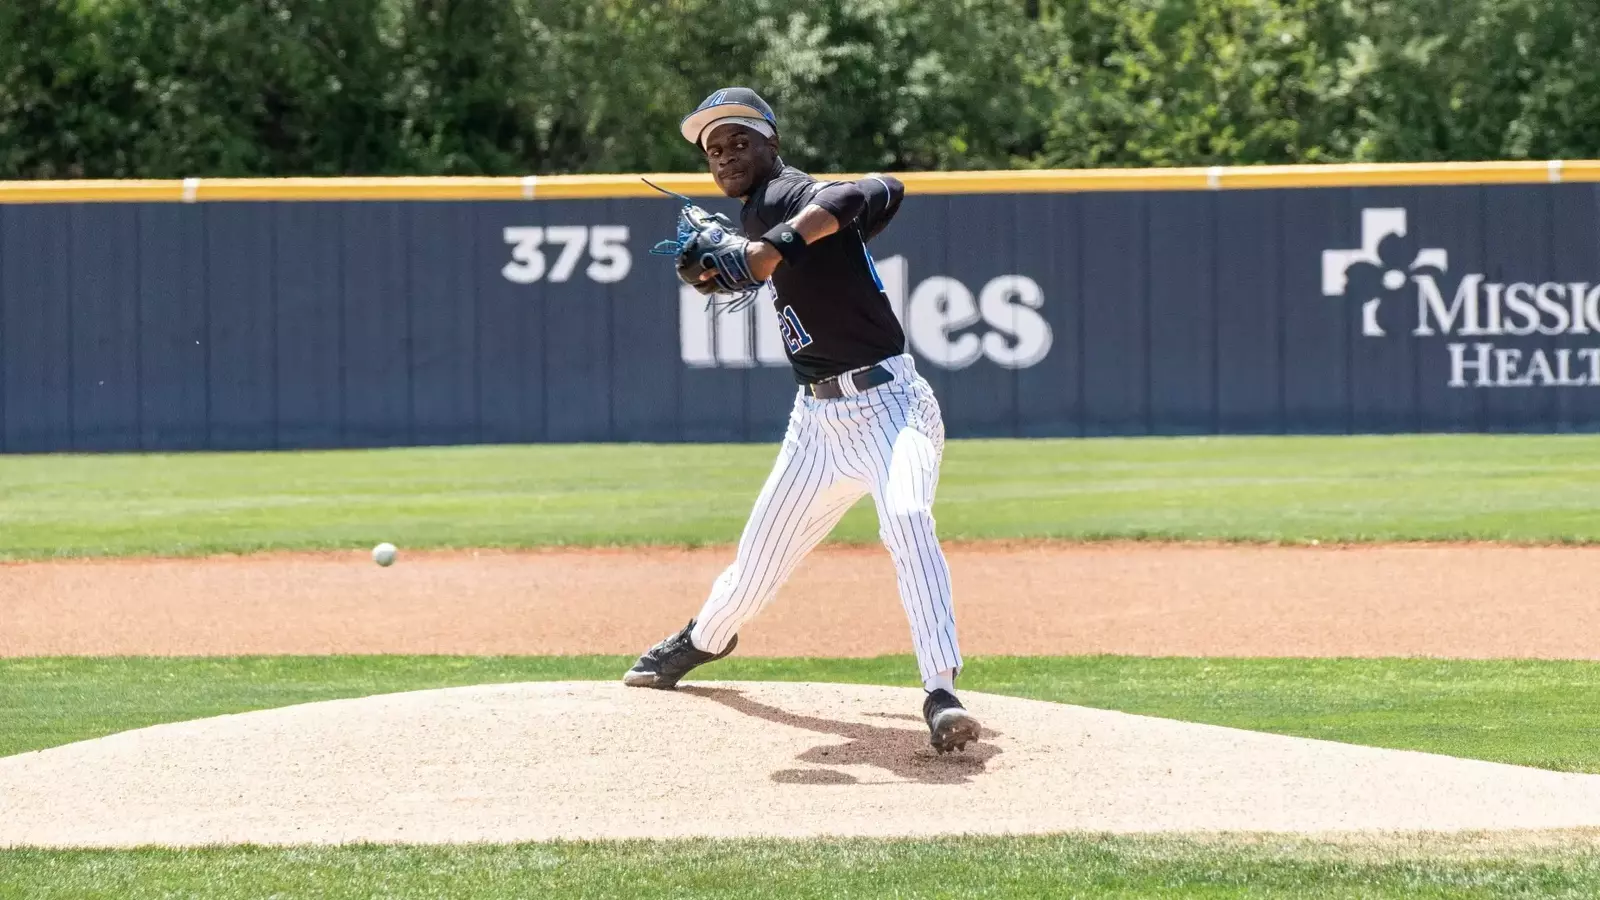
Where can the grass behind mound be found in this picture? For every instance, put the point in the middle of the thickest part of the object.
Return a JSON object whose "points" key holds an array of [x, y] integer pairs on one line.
{"points": [[1058, 866], [1404, 487], [1536, 713]]}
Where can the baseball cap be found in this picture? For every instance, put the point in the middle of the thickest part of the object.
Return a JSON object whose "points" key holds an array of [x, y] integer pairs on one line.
{"points": [[729, 102]]}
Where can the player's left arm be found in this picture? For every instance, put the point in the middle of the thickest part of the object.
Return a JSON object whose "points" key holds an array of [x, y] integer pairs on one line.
{"points": [[872, 200]]}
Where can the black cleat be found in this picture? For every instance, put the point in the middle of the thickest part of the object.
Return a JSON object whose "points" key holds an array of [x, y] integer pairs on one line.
{"points": [[663, 665], [950, 726]]}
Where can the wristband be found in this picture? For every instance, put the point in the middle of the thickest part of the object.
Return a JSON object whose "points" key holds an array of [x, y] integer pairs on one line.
{"points": [[788, 241]]}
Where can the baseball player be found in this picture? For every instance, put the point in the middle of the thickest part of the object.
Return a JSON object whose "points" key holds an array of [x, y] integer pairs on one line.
{"points": [[863, 420]]}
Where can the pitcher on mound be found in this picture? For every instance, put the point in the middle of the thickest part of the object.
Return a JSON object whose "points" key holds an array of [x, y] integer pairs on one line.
{"points": [[863, 420]]}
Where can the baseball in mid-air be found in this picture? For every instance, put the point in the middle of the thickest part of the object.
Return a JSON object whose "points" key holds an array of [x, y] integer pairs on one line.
{"points": [[384, 554]]}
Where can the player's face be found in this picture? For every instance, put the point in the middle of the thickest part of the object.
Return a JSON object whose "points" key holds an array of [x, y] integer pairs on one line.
{"points": [[737, 157]]}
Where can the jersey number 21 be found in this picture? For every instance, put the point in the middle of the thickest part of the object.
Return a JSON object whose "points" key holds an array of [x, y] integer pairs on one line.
{"points": [[794, 334]]}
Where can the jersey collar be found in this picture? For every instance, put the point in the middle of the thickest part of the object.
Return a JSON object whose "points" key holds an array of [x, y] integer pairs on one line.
{"points": [[778, 169]]}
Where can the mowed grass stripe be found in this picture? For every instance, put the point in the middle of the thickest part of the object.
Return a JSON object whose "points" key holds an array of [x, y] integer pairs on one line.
{"points": [[1056, 866], [1429, 487], [1527, 712]]}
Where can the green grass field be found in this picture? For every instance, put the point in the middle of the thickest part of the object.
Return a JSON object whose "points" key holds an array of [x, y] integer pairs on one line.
{"points": [[1524, 489], [1000, 868], [1510, 488]]}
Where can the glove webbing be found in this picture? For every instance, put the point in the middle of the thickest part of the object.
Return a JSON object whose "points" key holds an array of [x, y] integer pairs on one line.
{"points": [[729, 303]]}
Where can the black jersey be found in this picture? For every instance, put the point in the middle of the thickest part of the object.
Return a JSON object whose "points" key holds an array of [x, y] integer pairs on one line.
{"points": [[831, 306]]}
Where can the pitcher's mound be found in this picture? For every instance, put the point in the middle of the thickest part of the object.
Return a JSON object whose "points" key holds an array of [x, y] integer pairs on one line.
{"points": [[526, 762]]}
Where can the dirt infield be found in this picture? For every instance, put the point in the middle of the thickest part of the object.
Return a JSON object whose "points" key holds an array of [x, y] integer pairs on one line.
{"points": [[733, 759], [1048, 599], [483, 763]]}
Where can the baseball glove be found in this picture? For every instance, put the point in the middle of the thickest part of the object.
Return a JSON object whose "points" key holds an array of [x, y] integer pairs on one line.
{"points": [[712, 257]]}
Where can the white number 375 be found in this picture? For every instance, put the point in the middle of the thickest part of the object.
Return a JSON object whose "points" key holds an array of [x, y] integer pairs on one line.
{"points": [[609, 259]]}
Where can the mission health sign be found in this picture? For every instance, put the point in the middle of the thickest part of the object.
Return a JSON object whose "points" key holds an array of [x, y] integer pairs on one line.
{"points": [[1405, 289]]}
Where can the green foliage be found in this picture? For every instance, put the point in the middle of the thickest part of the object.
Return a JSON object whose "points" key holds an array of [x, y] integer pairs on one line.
{"points": [[901, 84], [169, 88], [1191, 82], [1488, 79]]}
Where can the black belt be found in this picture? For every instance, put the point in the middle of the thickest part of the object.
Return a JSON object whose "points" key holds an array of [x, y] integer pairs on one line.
{"points": [[830, 389]]}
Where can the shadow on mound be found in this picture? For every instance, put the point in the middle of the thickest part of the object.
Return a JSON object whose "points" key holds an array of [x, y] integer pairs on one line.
{"points": [[813, 776], [903, 752]]}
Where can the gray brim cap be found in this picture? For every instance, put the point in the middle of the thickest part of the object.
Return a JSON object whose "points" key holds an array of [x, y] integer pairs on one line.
{"points": [[733, 101]]}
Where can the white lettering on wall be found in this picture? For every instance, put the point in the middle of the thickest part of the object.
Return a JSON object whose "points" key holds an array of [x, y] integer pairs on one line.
{"points": [[1465, 304], [1021, 337], [940, 307], [607, 245], [1488, 366], [944, 322]]}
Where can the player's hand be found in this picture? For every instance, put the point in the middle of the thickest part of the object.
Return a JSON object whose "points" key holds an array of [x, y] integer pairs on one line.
{"points": [[763, 258], [706, 282]]}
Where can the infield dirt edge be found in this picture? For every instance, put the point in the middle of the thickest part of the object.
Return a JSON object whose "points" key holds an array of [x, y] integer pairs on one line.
{"points": [[1011, 598]]}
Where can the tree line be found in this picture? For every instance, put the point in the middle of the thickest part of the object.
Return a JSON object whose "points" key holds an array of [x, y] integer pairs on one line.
{"points": [[175, 88]]}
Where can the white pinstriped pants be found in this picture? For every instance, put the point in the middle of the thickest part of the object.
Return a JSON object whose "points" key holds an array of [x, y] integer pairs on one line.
{"points": [[887, 441]]}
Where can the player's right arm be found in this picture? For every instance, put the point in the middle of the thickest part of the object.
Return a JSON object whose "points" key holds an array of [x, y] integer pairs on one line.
{"points": [[825, 209], [883, 194], [870, 203]]}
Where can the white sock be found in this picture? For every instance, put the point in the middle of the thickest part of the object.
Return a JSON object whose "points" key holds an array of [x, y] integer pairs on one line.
{"points": [[945, 680], [696, 638]]}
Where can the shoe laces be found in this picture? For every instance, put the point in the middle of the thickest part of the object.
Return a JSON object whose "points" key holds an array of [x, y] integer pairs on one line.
{"points": [[672, 643]]}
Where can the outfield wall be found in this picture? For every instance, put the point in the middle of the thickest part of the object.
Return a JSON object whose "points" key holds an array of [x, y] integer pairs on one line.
{"points": [[303, 313]]}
